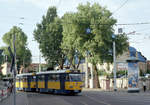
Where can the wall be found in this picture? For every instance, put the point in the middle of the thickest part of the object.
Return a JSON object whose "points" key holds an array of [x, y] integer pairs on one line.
{"points": [[6, 69], [107, 84], [142, 66], [122, 83]]}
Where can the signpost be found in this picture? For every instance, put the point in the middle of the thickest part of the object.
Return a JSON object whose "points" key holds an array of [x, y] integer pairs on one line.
{"points": [[114, 61], [13, 68]]}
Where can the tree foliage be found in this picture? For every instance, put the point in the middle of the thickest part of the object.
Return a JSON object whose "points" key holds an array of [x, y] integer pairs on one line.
{"points": [[23, 54], [71, 44], [49, 36], [98, 42], [1, 57]]}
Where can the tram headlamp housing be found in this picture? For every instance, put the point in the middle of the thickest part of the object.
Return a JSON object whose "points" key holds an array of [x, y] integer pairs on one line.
{"points": [[71, 86]]}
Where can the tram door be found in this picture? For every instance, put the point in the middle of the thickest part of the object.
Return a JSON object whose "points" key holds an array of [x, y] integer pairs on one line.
{"points": [[36, 83], [62, 81], [28, 83], [46, 82]]}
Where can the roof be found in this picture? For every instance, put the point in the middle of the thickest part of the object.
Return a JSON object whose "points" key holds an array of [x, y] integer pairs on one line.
{"points": [[134, 53], [141, 57]]}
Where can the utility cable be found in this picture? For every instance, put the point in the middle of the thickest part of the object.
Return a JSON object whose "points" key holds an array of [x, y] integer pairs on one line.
{"points": [[120, 7]]}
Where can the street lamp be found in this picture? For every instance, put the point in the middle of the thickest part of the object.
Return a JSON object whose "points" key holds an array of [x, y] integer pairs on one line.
{"points": [[88, 31], [114, 60], [39, 61]]}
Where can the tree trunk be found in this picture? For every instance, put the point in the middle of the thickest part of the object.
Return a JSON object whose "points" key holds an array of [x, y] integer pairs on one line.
{"points": [[71, 61], [62, 64], [78, 63], [92, 77], [108, 67], [96, 77]]}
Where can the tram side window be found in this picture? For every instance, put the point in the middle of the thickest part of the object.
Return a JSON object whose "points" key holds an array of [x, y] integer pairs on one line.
{"points": [[49, 77], [21, 79], [57, 77], [67, 78], [25, 79], [53, 77], [17, 79], [33, 78], [41, 78]]}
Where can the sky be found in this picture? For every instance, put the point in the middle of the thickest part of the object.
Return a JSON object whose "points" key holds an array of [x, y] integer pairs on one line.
{"points": [[125, 11]]}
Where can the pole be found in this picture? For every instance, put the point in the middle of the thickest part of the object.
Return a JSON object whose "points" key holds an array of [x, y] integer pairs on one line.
{"points": [[114, 59], [39, 61], [86, 72], [14, 76]]}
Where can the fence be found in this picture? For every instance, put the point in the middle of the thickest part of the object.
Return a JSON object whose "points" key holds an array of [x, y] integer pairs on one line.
{"points": [[107, 84], [122, 83]]}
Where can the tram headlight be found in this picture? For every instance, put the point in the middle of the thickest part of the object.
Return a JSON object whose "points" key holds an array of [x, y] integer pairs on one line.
{"points": [[81, 86], [71, 86]]}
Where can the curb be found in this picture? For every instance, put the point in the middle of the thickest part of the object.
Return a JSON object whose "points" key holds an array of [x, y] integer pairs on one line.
{"points": [[102, 90], [118, 91]]}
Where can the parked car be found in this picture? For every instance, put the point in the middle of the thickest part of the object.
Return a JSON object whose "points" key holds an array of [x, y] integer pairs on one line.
{"points": [[147, 75]]}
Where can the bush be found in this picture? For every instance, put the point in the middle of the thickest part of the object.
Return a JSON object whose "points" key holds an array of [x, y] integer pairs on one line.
{"points": [[118, 74], [141, 73], [148, 71], [102, 72], [1, 76], [121, 73]]}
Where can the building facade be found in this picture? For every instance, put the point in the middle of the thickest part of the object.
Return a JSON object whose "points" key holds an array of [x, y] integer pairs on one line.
{"points": [[6, 69]]}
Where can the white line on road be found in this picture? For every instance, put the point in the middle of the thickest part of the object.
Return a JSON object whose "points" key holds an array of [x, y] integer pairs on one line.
{"points": [[84, 103], [98, 101]]}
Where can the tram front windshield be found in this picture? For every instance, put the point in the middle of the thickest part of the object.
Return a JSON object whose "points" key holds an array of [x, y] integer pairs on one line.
{"points": [[75, 77]]}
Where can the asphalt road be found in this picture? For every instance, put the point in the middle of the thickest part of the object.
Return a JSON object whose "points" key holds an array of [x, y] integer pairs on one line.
{"points": [[90, 98]]}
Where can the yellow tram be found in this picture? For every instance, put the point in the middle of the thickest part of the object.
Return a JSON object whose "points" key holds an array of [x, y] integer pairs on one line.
{"points": [[61, 81]]}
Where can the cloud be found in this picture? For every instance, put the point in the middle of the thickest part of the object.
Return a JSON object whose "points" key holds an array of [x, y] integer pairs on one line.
{"points": [[9, 1], [38, 3], [44, 3]]}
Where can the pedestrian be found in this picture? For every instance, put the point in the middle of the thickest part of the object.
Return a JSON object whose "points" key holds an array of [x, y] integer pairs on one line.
{"points": [[144, 86]]}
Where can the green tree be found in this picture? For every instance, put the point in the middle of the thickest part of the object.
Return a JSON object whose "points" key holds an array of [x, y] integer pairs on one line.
{"points": [[1, 75], [71, 44], [98, 42], [1, 57], [23, 54], [49, 36]]}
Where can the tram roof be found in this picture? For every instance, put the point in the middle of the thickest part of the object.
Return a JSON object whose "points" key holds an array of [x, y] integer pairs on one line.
{"points": [[54, 71], [49, 72], [25, 74]]}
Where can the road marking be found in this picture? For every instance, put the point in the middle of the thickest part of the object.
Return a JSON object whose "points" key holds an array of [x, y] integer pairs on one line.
{"points": [[84, 103], [99, 101]]}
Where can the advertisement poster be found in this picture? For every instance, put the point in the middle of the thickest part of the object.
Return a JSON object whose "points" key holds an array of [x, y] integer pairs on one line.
{"points": [[133, 73], [122, 66]]}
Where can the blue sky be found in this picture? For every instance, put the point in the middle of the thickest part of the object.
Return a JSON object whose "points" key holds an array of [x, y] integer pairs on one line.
{"points": [[134, 11]]}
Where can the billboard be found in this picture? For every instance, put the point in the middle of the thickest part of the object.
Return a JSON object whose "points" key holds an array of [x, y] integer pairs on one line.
{"points": [[133, 74], [122, 66]]}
